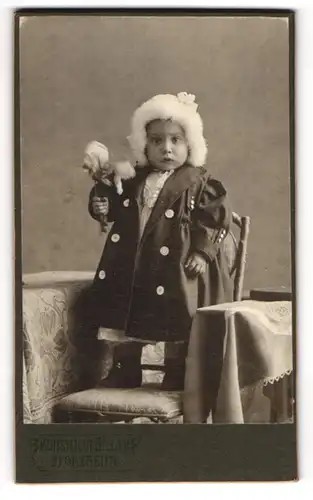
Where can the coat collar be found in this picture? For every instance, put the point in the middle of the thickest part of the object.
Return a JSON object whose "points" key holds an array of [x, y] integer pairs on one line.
{"points": [[175, 185]]}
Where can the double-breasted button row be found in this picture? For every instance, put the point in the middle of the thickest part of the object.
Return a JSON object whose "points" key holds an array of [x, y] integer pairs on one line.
{"points": [[159, 290]]}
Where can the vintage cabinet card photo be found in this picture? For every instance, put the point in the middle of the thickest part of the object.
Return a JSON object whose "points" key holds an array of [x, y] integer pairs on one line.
{"points": [[154, 195]]}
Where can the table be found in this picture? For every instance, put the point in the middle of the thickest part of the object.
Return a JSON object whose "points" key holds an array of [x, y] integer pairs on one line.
{"points": [[234, 346], [271, 294]]}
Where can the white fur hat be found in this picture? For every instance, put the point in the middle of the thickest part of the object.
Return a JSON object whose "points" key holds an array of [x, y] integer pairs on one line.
{"points": [[181, 108]]}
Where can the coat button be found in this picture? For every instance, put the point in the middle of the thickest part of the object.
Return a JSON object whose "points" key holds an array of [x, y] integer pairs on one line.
{"points": [[102, 275], [169, 214], [115, 238], [126, 203], [160, 290], [164, 250]]}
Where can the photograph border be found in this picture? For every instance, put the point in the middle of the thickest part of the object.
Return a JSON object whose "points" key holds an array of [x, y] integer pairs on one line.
{"points": [[143, 453]]}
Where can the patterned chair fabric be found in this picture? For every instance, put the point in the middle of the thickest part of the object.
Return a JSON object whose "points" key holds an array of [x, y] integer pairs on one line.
{"points": [[62, 358], [53, 365]]}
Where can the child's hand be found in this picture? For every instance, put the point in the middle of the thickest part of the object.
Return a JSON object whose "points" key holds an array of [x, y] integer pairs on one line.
{"points": [[100, 206], [196, 264]]}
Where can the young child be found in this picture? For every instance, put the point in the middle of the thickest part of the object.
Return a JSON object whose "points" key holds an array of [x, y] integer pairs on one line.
{"points": [[163, 257]]}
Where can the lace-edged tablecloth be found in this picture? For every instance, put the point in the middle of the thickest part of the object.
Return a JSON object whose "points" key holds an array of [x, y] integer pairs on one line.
{"points": [[233, 346]]}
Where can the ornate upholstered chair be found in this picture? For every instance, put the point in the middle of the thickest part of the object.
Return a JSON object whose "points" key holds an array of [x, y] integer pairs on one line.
{"points": [[54, 356], [148, 403]]}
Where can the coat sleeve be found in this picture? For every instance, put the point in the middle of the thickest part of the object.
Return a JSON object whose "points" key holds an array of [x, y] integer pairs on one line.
{"points": [[101, 190], [211, 219]]}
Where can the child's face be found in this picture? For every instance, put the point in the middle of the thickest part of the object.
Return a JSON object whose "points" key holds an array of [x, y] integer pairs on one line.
{"points": [[167, 147]]}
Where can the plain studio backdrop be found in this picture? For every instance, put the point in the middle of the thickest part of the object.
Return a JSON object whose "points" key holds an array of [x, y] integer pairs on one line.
{"points": [[82, 78]]}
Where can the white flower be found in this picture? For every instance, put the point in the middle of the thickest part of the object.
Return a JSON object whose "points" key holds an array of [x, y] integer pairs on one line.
{"points": [[96, 163], [97, 148], [96, 157]]}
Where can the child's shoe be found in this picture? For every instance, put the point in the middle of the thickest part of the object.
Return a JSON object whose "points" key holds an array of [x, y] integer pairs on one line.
{"points": [[174, 378], [126, 370]]}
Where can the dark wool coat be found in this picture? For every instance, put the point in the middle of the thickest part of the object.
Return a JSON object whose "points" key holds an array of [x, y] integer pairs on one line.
{"points": [[141, 287]]}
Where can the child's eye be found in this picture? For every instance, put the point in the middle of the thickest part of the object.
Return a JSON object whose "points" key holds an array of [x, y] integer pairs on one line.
{"points": [[156, 140], [175, 140]]}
